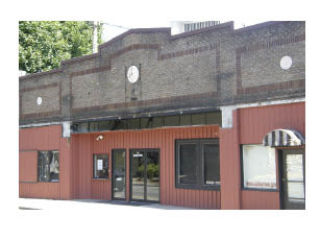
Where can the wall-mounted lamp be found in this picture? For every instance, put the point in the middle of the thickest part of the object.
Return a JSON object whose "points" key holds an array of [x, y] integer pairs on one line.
{"points": [[100, 137]]}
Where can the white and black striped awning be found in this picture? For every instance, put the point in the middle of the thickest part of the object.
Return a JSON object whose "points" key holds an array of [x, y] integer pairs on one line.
{"points": [[283, 138]]}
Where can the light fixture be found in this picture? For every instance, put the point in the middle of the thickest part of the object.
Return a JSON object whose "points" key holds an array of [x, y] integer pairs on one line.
{"points": [[100, 137]]}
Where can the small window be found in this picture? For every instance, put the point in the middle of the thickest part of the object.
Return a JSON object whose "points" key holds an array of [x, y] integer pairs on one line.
{"points": [[198, 164], [259, 167], [48, 166], [100, 166]]}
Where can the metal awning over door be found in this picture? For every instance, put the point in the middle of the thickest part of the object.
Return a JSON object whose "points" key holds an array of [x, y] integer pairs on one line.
{"points": [[283, 138]]}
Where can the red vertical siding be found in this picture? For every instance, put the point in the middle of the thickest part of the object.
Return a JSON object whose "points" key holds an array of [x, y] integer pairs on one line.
{"points": [[256, 122], [162, 139], [230, 165], [28, 166], [260, 200], [44, 138]]}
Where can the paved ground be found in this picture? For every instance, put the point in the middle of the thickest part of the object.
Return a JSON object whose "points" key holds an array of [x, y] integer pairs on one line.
{"points": [[50, 204]]}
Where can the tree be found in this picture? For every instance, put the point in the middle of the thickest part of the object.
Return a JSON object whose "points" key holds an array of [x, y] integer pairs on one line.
{"points": [[44, 44]]}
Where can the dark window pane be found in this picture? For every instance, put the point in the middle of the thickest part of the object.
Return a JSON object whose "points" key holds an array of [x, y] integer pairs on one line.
{"points": [[157, 122], [198, 119], [213, 118], [93, 126], [100, 166], [211, 164], [83, 127], [171, 121], [146, 123], [185, 120], [105, 125], [133, 123], [187, 164]]}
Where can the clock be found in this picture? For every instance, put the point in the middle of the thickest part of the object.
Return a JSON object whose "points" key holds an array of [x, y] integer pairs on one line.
{"points": [[133, 74], [286, 62]]}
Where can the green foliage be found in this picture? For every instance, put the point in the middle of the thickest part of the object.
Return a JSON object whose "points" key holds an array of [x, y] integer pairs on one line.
{"points": [[44, 44], [152, 171]]}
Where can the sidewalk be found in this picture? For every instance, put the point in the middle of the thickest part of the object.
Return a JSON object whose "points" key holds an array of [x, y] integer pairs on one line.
{"points": [[51, 204]]}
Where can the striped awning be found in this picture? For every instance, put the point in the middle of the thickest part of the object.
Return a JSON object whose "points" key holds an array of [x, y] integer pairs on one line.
{"points": [[283, 138]]}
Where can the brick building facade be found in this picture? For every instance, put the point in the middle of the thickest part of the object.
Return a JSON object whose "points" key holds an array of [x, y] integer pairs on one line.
{"points": [[217, 83]]}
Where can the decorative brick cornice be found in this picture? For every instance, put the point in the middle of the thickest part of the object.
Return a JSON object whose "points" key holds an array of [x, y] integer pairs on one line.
{"points": [[135, 31], [226, 25], [189, 51], [40, 74], [39, 87], [90, 71], [80, 59]]}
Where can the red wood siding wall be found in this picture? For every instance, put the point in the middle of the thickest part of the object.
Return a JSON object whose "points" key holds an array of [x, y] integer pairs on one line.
{"points": [[76, 159], [250, 126], [230, 166], [256, 122], [85, 145], [44, 138], [28, 160]]}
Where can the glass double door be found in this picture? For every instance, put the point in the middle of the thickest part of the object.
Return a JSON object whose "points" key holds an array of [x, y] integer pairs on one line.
{"points": [[292, 169], [145, 175]]}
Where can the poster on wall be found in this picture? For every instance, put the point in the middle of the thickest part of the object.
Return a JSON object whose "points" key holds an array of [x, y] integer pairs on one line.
{"points": [[100, 164]]}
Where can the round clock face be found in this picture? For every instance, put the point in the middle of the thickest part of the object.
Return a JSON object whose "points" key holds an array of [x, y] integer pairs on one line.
{"points": [[133, 74], [39, 100], [286, 62]]}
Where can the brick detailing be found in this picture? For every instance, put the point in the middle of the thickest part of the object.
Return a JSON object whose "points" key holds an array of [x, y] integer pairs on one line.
{"points": [[80, 59], [39, 87], [89, 71], [160, 58], [187, 52], [40, 74], [259, 46], [41, 114]]}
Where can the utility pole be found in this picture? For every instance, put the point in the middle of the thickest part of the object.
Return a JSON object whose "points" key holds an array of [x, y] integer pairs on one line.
{"points": [[95, 37]]}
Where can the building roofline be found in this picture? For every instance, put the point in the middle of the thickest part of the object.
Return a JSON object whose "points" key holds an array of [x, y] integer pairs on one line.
{"points": [[153, 30], [258, 26], [40, 74], [132, 31]]}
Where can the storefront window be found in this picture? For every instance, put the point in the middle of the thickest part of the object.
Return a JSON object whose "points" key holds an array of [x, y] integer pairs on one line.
{"points": [[198, 164], [48, 166], [100, 166], [259, 167]]}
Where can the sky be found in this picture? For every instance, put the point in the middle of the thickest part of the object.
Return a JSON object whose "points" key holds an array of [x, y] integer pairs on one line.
{"points": [[111, 30]]}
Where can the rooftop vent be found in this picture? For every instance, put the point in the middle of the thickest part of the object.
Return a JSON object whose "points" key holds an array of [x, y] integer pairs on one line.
{"points": [[185, 26]]}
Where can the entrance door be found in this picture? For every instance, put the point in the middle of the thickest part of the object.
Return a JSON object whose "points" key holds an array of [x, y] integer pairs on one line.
{"points": [[292, 174], [119, 174], [145, 175]]}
